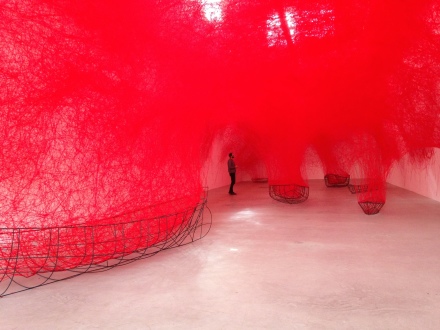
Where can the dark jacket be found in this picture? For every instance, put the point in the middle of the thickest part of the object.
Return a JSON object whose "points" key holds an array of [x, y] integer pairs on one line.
{"points": [[231, 166]]}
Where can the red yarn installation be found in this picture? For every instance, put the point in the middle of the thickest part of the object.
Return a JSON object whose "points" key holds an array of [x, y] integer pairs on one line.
{"points": [[110, 107], [337, 180]]}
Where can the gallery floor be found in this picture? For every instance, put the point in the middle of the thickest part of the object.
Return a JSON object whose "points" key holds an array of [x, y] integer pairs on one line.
{"points": [[322, 264]]}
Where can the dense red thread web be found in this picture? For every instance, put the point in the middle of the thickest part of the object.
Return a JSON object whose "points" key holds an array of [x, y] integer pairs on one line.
{"points": [[110, 107]]}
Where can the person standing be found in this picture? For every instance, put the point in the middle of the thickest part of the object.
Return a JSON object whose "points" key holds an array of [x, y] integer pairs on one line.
{"points": [[231, 169]]}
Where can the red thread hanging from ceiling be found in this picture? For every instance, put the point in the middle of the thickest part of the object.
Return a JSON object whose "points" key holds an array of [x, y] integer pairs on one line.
{"points": [[110, 107]]}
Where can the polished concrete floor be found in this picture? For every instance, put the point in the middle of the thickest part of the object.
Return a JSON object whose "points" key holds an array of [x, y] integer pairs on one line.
{"points": [[322, 264]]}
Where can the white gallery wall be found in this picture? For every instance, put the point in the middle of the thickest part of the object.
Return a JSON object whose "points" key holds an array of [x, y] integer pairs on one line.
{"points": [[422, 179], [215, 170]]}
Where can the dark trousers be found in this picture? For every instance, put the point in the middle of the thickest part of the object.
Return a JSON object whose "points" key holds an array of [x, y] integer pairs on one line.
{"points": [[231, 187]]}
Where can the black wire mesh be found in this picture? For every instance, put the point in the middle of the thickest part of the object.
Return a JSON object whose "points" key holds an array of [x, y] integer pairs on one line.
{"points": [[335, 180], [358, 188], [259, 180], [33, 257], [290, 194], [371, 207], [361, 186]]}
